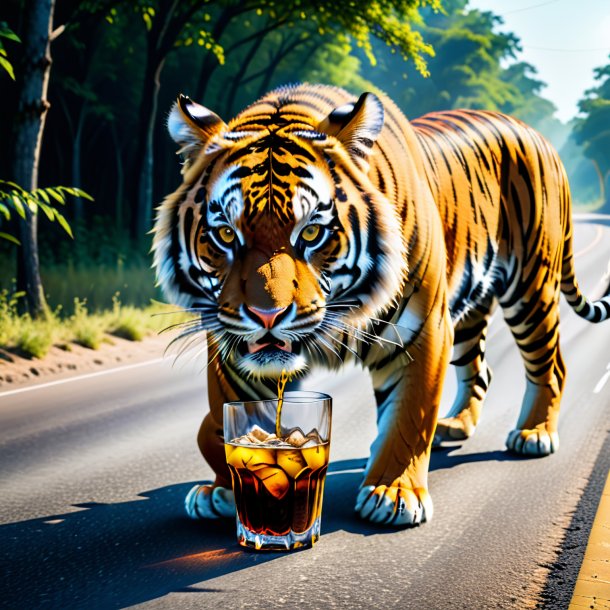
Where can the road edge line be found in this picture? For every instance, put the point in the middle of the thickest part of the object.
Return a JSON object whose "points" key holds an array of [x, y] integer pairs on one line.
{"points": [[592, 588], [48, 384]]}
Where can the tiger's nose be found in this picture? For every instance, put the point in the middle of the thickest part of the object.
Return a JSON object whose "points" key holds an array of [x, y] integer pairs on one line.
{"points": [[266, 317]]}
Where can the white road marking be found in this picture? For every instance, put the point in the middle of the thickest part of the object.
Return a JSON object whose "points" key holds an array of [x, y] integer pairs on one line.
{"points": [[593, 244], [86, 376], [602, 382]]}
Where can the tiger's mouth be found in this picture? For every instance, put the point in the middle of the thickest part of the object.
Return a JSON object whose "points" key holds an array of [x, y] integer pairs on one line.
{"points": [[269, 356], [268, 344]]}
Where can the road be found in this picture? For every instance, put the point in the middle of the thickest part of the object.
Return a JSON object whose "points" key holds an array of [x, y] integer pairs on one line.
{"points": [[94, 472]]}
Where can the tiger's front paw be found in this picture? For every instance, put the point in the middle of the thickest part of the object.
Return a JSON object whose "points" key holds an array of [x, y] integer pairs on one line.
{"points": [[209, 502], [394, 505], [534, 443]]}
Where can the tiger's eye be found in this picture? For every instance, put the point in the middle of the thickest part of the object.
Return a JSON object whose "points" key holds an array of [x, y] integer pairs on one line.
{"points": [[310, 232], [227, 234]]}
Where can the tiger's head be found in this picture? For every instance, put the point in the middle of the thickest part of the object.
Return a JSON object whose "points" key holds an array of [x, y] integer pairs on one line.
{"points": [[277, 238]]}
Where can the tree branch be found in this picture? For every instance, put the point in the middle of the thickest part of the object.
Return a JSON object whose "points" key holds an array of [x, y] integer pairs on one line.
{"points": [[57, 32]]}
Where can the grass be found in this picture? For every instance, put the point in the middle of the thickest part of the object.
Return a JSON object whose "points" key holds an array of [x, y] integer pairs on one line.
{"points": [[99, 284], [34, 338]]}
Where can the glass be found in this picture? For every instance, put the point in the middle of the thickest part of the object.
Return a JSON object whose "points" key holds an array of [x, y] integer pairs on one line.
{"points": [[278, 486]]}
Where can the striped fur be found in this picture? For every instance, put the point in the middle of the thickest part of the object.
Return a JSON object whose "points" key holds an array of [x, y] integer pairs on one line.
{"points": [[326, 229]]}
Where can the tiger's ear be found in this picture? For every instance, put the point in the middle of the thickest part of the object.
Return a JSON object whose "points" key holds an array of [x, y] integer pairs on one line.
{"points": [[356, 126], [192, 126]]}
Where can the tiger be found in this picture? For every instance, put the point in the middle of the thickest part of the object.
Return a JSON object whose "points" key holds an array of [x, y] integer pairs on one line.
{"points": [[318, 228]]}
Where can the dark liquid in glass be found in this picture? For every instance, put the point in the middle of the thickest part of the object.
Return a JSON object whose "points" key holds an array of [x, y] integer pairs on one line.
{"points": [[277, 490]]}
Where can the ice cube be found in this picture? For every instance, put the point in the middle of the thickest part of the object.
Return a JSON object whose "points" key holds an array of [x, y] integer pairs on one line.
{"points": [[277, 442], [291, 461], [315, 436], [252, 458], [296, 437], [241, 440], [275, 481], [258, 433], [315, 456], [250, 439]]}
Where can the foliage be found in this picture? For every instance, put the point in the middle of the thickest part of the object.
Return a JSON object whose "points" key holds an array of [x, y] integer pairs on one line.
{"points": [[593, 130], [465, 70], [8, 34], [34, 337], [526, 102], [127, 321], [17, 198], [35, 340], [115, 56], [87, 330], [98, 284]]}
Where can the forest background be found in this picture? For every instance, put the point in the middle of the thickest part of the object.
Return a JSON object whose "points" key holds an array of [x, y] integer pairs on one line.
{"points": [[117, 67]]}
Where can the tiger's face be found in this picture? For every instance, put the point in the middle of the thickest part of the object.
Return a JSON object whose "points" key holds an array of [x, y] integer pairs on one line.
{"points": [[277, 239]]}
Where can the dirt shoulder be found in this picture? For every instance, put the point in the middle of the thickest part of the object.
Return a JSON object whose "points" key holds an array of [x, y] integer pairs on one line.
{"points": [[17, 371]]}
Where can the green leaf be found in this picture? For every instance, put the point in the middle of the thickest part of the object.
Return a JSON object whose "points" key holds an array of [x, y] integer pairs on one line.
{"points": [[40, 194], [8, 67], [83, 194], [75, 192], [32, 202], [13, 185], [6, 32], [48, 210], [5, 211], [10, 238], [147, 21], [18, 205], [63, 223], [56, 195]]}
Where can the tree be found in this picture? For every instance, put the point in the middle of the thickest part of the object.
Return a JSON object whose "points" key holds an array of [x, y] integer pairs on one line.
{"points": [[33, 81], [465, 70], [593, 130], [171, 24]]}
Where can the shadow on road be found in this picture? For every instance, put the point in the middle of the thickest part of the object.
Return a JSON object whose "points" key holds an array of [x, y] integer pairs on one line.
{"points": [[443, 457], [117, 555]]}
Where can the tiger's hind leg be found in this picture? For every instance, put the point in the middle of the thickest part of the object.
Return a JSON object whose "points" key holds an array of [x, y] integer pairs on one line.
{"points": [[473, 377], [534, 322]]}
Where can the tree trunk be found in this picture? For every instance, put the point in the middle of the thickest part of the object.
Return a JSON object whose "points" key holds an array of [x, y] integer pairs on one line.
{"points": [[76, 164], [29, 125], [120, 180], [602, 182], [142, 220]]}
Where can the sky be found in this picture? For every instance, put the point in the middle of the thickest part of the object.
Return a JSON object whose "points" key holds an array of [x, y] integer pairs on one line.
{"points": [[564, 39]]}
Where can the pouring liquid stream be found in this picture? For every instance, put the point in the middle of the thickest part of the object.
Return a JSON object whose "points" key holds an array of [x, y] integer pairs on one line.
{"points": [[281, 386]]}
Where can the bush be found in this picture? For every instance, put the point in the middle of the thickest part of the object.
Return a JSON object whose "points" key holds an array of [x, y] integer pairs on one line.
{"points": [[127, 322], [87, 330], [35, 340], [9, 318]]}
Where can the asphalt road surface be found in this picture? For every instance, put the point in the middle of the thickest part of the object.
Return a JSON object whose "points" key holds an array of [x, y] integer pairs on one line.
{"points": [[94, 472]]}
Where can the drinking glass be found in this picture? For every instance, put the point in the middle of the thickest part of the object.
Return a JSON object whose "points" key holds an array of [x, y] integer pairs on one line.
{"points": [[278, 483]]}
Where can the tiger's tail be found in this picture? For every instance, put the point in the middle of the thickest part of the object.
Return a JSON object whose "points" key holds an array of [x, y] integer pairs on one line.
{"points": [[595, 309]]}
